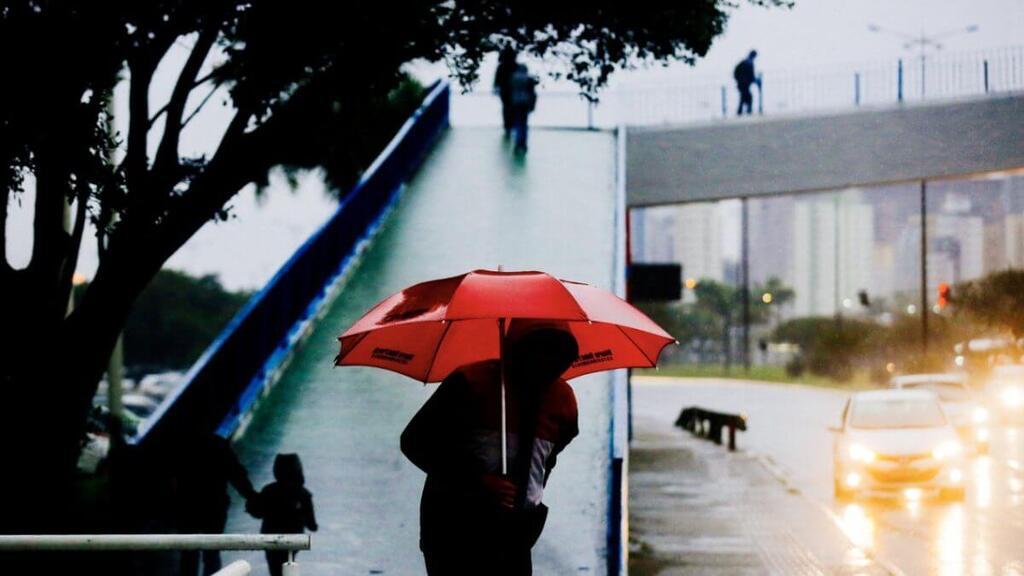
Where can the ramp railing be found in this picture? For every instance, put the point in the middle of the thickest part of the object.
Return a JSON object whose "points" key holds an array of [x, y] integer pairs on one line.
{"points": [[230, 376]]}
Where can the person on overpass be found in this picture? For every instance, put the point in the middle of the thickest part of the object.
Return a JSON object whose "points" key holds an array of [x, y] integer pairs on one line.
{"points": [[745, 77], [522, 99], [473, 519], [506, 66]]}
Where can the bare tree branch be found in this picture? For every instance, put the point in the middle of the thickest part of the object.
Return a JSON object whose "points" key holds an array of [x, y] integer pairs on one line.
{"points": [[198, 108], [141, 67], [134, 162], [196, 84], [167, 154]]}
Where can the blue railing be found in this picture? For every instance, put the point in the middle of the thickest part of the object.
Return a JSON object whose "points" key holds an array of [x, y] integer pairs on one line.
{"points": [[228, 378]]}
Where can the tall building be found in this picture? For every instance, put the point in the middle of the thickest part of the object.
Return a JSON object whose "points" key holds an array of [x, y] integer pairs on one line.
{"points": [[687, 234], [771, 239], [833, 253], [698, 241], [956, 246], [1013, 241]]}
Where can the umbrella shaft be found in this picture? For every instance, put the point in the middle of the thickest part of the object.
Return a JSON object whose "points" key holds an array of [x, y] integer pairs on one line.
{"points": [[504, 428]]}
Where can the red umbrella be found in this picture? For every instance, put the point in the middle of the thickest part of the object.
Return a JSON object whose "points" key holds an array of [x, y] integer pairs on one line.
{"points": [[428, 330]]}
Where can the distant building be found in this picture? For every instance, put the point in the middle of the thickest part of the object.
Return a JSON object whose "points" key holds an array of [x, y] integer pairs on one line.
{"points": [[1013, 241], [688, 234], [771, 239], [956, 249], [833, 253]]}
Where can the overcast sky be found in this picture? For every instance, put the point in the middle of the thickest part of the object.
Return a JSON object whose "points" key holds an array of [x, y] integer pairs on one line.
{"points": [[820, 33]]}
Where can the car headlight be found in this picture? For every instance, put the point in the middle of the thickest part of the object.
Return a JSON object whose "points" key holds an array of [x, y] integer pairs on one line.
{"points": [[1012, 397], [947, 450], [861, 453], [979, 415]]}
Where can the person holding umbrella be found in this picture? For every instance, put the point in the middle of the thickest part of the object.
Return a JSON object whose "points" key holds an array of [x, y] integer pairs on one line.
{"points": [[474, 519], [502, 344]]}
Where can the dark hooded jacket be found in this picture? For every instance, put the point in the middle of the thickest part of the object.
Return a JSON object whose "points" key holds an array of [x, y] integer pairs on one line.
{"points": [[285, 505]]}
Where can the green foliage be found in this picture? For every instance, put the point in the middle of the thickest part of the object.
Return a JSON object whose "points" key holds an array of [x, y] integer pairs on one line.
{"points": [[718, 307], [996, 301], [343, 155], [175, 318], [828, 346]]}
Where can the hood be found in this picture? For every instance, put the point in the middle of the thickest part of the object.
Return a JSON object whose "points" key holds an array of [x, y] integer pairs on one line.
{"points": [[959, 413], [899, 442]]}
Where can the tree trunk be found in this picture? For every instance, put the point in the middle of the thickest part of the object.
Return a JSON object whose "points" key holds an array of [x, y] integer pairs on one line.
{"points": [[49, 374]]}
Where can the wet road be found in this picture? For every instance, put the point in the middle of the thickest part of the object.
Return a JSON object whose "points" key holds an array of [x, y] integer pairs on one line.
{"points": [[470, 206], [983, 535]]}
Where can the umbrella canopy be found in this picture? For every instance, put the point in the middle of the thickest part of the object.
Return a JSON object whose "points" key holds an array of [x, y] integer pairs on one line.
{"points": [[428, 330]]}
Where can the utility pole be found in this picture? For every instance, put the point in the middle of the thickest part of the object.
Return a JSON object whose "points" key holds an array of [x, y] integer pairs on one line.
{"points": [[924, 267], [745, 273]]}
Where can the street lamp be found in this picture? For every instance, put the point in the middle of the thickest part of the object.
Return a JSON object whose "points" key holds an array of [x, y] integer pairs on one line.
{"points": [[923, 42]]}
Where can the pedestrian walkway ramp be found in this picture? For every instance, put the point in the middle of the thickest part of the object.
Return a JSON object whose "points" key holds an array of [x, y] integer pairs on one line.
{"points": [[472, 204]]}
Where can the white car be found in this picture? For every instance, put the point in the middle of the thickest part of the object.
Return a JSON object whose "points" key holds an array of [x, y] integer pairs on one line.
{"points": [[139, 405], [897, 442], [157, 386], [969, 417], [1005, 389]]}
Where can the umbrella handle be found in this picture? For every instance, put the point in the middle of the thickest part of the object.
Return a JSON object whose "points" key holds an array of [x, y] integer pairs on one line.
{"points": [[504, 434]]}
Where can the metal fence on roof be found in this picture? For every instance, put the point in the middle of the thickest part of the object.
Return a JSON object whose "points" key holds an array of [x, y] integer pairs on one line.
{"points": [[837, 87]]}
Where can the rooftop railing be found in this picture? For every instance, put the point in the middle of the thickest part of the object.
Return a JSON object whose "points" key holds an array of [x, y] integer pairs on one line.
{"points": [[837, 87]]}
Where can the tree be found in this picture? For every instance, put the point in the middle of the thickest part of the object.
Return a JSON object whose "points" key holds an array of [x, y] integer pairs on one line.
{"points": [[724, 303], [828, 346], [175, 318], [287, 70], [690, 326], [996, 301]]}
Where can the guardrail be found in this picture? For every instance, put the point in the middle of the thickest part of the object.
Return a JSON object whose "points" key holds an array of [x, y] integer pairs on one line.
{"points": [[839, 86], [158, 542], [708, 424], [232, 373]]}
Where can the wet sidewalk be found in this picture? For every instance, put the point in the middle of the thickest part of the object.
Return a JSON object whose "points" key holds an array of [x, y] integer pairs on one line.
{"points": [[471, 205], [697, 509]]}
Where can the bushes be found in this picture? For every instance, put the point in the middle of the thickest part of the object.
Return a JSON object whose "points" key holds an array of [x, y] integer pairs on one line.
{"points": [[829, 347]]}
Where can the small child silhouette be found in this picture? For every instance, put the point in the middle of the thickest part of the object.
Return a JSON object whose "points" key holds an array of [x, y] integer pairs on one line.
{"points": [[285, 506]]}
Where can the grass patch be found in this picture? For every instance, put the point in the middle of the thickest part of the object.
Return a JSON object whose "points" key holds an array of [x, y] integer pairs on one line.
{"points": [[774, 374]]}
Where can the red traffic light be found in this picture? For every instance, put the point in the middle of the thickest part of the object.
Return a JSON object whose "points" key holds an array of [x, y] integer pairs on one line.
{"points": [[943, 295]]}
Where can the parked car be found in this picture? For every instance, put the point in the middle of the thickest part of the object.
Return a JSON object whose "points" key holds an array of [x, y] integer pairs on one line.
{"points": [[95, 445], [158, 386], [1005, 392], [897, 442], [93, 453], [139, 405], [969, 416]]}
